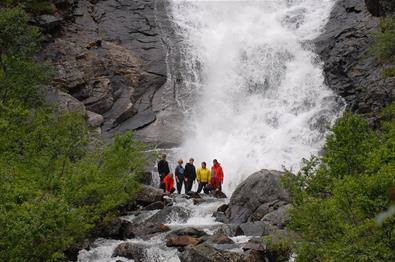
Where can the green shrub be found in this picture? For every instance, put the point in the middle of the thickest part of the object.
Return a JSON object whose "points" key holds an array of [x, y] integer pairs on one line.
{"points": [[52, 189], [384, 40], [32, 6], [389, 72], [338, 196]]}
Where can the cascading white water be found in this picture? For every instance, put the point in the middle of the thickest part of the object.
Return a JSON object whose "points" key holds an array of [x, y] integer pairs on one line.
{"points": [[252, 89]]}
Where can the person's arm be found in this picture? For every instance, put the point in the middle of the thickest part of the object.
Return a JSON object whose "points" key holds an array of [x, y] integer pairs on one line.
{"points": [[209, 175], [198, 175]]}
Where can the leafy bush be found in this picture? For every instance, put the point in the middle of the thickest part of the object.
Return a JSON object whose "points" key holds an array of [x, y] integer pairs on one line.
{"points": [[337, 197], [32, 6], [389, 72], [52, 189], [384, 40]]}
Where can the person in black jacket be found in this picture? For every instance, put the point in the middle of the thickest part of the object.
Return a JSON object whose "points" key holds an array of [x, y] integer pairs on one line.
{"points": [[190, 175], [163, 169], [179, 173]]}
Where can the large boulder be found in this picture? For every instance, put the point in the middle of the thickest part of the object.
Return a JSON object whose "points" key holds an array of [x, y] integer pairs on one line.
{"points": [[131, 251], [207, 253], [149, 195], [260, 188], [143, 229], [258, 228], [170, 214]]}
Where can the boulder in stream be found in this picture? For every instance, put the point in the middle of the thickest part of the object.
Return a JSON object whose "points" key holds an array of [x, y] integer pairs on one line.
{"points": [[258, 189], [182, 241], [149, 195], [207, 253], [169, 214], [131, 251]]}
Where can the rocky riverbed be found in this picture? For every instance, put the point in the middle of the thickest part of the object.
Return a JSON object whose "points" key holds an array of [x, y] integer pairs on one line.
{"points": [[196, 227]]}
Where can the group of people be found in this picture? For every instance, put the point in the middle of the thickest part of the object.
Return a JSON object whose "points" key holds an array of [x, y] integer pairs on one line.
{"points": [[208, 180]]}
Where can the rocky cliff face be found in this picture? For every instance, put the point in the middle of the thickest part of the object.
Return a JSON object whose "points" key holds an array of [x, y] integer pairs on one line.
{"points": [[112, 56], [348, 67]]}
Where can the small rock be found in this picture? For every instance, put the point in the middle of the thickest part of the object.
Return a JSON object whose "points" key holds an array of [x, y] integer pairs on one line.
{"points": [[258, 228], [130, 250], [49, 22], [147, 228], [278, 217], [187, 231], [155, 205], [194, 194], [94, 120], [94, 44], [169, 214], [205, 252], [198, 201], [218, 239], [222, 208], [182, 241], [219, 194]]}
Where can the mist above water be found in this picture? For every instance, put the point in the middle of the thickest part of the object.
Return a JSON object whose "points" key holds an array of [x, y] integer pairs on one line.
{"points": [[252, 89]]}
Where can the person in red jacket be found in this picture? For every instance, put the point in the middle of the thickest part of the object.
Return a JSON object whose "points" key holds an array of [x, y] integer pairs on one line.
{"points": [[216, 169], [214, 185], [169, 183]]}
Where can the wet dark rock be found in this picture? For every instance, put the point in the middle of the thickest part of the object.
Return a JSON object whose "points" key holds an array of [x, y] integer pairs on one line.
{"points": [[170, 213], [130, 250], [110, 229], [145, 229], [218, 239], [49, 23], [258, 228], [192, 194], [182, 241], [255, 244], [259, 188], [187, 231], [198, 201], [94, 120], [255, 256], [266, 208], [349, 69], [155, 205], [145, 178], [219, 194], [222, 208], [149, 195], [72, 252], [278, 217], [207, 253]]}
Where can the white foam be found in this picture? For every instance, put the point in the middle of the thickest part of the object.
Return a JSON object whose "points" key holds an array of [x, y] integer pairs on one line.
{"points": [[251, 90]]}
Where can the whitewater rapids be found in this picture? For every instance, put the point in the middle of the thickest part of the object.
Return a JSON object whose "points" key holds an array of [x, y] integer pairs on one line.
{"points": [[252, 88]]}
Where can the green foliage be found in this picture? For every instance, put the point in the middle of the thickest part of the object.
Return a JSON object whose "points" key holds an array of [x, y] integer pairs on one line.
{"points": [[384, 40], [338, 196], [20, 76], [52, 189], [389, 72], [32, 6]]}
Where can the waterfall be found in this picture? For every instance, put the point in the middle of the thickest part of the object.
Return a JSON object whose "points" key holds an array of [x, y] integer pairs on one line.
{"points": [[251, 86]]}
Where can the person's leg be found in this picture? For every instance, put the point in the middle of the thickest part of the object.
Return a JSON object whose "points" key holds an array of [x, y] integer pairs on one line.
{"points": [[200, 187], [172, 190], [206, 189], [188, 186], [179, 185]]}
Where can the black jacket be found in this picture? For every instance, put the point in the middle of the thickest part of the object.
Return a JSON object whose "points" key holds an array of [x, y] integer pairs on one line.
{"points": [[190, 171], [163, 167]]}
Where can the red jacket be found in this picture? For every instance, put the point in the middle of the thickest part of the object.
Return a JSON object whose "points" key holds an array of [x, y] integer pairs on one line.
{"points": [[169, 183], [215, 183], [219, 173]]}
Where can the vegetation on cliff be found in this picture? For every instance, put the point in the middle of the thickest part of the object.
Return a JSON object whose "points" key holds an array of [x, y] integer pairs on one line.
{"points": [[337, 197], [52, 188]]}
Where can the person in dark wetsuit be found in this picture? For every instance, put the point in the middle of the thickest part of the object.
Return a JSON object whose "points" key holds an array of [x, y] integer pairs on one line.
{"points": [[163, 169], [190, 175]]}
